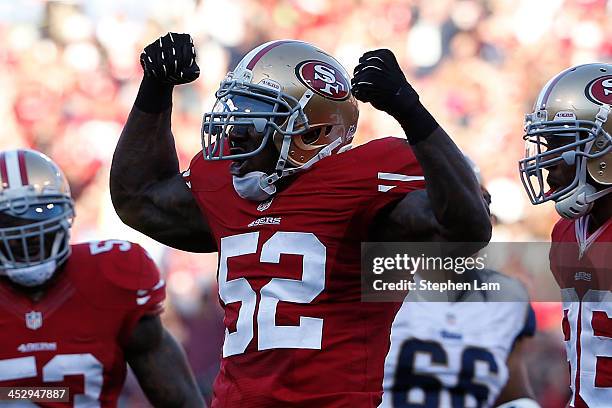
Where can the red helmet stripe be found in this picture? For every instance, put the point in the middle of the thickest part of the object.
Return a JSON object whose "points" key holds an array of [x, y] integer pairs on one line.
{"points": [[3, 172], [264, 51], [23, 171]]}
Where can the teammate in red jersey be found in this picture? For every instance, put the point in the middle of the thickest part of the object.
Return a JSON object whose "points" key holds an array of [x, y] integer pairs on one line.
{"points": [[73, 315], [286, 202], [570, 148]]}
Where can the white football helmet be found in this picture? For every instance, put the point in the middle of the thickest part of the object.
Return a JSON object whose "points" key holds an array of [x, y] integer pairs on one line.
{"points": [[572, 113], [36, 212]]}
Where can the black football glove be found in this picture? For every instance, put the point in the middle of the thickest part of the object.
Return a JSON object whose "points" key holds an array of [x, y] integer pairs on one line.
{"points": [[379, 80], [170, 59]]}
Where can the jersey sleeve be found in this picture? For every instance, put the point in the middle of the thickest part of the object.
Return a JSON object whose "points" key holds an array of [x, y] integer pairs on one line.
{"points": [[192, 171], [132, 283], [207, 175], [392, 172], [151, 290], [148, 290]]}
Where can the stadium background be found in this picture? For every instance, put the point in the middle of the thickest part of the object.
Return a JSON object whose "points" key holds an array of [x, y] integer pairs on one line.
{"points": [[69, 73]]}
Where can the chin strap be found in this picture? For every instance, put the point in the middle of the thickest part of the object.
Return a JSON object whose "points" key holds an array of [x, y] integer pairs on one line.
{"points": [[324, 152], [599, 194], [252, 186], [37, 274], [34, 275], [576, 204], [580, 201], [602, 115], [281, 170]]}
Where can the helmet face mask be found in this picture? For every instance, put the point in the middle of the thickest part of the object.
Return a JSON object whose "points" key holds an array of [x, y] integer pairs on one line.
{"points": [[265, 109], [30, 242], [549, 144], [36, 213], [569, 131], [291, 93]]}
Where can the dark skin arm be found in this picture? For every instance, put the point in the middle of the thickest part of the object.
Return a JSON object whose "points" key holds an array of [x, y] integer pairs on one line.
{"points": [[518, 383], [450, 209], [160, 366], [148, 192], [147, 189]]}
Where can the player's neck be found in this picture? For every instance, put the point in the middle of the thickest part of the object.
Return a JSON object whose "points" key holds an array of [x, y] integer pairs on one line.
{"points": [[601, 213]]}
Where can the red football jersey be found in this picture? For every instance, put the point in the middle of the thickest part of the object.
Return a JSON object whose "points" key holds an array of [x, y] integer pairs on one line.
{"points": [[74, 336], [582, 266], [297, 333]]}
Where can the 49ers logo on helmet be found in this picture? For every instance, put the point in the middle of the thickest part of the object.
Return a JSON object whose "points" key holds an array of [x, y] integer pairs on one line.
{"points": [[324, 79], [600, 90]]}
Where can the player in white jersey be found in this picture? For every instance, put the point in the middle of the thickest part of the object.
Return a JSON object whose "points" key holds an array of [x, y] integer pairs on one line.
{"points": [[461, 354]]}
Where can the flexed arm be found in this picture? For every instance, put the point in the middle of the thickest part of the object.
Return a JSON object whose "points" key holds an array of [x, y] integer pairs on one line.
{"points": [[147, 189], [452, 207]]}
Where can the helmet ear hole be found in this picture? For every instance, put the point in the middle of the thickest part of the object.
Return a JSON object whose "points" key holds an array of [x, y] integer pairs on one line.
{"points": [[314, 135], [599, 167], [311, 137]]}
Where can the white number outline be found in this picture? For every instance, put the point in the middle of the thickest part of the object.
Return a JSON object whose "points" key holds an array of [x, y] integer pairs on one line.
{"points": [[309, 333], [56, 369], [597, 346], [99, 247]]}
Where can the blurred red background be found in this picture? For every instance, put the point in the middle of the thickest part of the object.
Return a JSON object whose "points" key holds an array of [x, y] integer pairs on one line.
{"points": [[69, 73]]}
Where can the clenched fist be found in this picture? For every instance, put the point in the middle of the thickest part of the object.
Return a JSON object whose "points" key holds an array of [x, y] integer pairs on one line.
{"points": [[379, 80], [170, 59]]}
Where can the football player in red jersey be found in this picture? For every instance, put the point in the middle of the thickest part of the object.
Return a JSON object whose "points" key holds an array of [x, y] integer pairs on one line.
{"points": [[569, 148], [73, 315], [286, 202]]}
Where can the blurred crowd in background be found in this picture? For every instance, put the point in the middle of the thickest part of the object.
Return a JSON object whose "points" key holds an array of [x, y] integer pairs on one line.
{"points": [[69, 73]]}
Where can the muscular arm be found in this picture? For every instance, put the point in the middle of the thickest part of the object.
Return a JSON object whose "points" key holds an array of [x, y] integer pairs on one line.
{"points": [[160, 366], [453, 209], [518, 383], [450, 209], [148, 192], [146, 187]]}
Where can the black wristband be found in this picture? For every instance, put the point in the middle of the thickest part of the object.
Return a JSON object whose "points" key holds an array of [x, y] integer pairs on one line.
{"points": [[153, 96], [417, 123]]}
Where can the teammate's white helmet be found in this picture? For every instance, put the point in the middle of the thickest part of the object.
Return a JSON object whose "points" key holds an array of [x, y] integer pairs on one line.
{"points": [[36, 212]]}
